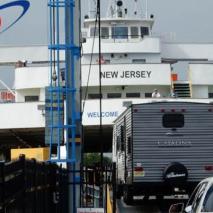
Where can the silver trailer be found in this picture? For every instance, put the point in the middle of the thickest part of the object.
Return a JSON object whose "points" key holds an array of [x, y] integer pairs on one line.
{"points": [[162, 146]]}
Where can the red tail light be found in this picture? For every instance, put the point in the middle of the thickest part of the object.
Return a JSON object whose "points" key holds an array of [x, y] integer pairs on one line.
{"points": [[138, 169], [208, 168]]}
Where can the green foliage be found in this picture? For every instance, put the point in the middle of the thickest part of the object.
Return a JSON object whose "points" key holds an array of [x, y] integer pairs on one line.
{"points": [[92, 159]]}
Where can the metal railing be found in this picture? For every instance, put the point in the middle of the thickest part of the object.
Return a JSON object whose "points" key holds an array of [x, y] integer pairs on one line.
{"points": [[92, 185], [32, 187]]}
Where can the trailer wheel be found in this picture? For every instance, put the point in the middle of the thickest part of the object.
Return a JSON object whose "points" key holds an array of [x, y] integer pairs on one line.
{"points": [[127, 195]]}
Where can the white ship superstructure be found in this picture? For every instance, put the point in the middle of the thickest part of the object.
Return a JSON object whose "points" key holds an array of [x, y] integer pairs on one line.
{"points": [[133, 64]]}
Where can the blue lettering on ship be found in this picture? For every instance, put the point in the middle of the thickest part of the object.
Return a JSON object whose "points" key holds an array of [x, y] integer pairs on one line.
{"points": [[103, 114]]}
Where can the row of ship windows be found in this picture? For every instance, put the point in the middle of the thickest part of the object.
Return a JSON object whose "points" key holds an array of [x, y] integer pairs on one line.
{"points": [[128, 95], [134, 61], [119, 95], [109, 95], [120, 32]]}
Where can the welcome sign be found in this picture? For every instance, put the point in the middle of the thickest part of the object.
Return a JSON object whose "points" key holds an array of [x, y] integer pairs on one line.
{"points": [[128, 74]]}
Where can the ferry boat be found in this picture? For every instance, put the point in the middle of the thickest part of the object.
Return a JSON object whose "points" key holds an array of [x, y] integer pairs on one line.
{"points": [[134, 63]]}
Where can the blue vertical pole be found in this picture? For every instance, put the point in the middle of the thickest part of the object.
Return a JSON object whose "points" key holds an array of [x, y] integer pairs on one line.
{"points": [[71, 89]]}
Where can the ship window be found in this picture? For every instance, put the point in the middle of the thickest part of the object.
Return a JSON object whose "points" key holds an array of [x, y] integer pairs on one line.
{"points": [[134, 32], [148, 95], [138, 61], [119, 32], [210, 94], [104, 32], [93, 32], [133, 95], [31, 98], [144, 31], [114, 95], [173, 120], [94, 96]]}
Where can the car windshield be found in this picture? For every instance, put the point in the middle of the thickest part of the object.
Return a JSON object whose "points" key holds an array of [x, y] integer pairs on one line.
{"points": [[198, 197], [208, 201]]}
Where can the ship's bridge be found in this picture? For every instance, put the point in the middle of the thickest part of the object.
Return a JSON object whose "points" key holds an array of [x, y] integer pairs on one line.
{"points": [[119, 35]]}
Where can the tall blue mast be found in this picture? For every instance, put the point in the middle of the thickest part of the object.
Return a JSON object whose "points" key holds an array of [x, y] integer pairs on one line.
{"points": [[64, 91]]}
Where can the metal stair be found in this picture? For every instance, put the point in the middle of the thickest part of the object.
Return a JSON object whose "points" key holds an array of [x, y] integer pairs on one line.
{"points": [[182, 89]]}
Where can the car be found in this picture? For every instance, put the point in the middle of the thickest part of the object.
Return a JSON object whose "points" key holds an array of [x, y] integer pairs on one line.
{"points": [[201, 200]]}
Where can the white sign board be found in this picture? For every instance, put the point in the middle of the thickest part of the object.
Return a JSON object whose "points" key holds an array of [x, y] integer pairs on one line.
{"points": [[111, 109], [127, 74], [90, 210]]}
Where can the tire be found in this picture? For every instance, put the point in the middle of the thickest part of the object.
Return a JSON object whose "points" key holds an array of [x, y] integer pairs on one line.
{"points": [[127, 195]]}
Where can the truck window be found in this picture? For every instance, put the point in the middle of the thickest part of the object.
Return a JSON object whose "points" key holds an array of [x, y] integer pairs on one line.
{"points": [[173, 120]]}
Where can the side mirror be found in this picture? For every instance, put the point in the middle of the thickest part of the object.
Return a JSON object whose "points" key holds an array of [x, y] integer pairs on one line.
{"points": [[176, 208], [188, 209]]}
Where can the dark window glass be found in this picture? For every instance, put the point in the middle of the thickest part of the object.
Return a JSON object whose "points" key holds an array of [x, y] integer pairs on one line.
{"points": [[144, 31], [138, 61], [133, 95], [105, 32], [208, 202], [119, 32], [114, 95], [93, 32], [93, 96], [194, 194], [198, 197], [173, 120], [31, 98], [211, 95], [148, 95], [134, 32]]}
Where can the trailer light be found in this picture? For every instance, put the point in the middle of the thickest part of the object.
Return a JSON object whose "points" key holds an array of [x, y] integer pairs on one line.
{"points": [[172, 110], [208, 168], [210, 110], [138, 169], [162, 110], [183, 110]]}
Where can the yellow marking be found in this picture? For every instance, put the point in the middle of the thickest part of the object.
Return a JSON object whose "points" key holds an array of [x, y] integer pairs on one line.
{"points": [[109, 203], [40, 154]]}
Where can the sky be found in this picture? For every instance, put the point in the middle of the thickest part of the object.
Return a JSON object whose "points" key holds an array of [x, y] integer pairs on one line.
{"points": [[184, 20]]}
